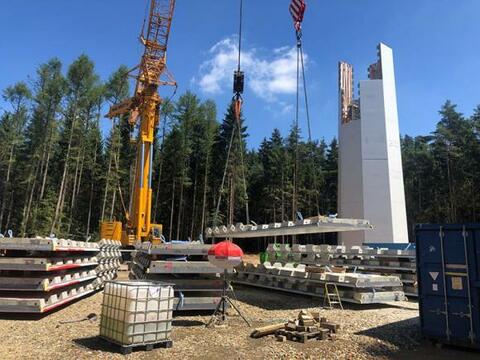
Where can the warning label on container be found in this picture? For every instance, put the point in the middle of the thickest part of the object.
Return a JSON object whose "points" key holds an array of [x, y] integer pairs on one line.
{"points": [[434, 275], [457, 283]]}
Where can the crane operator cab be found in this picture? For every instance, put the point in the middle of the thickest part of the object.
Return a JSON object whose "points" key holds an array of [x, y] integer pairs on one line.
{"points": [[113, 230], [156, 233]]}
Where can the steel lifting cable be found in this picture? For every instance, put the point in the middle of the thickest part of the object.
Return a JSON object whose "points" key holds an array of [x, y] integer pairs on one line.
{"points": [[240, 35], [236, 107], [296, 132], [315, 177], [217, 210], [305, 93], [240, 143], [297, 10]]}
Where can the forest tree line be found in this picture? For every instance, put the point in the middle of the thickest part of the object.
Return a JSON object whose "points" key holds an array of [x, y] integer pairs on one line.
{"points": [[59, 175]]}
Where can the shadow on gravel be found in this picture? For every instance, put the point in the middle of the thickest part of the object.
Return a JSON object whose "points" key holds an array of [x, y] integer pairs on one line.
{"points": [[403, 335], [96, 343], [400, 333], [188, 323], [426, 350], [408, 345], [23, 316]]}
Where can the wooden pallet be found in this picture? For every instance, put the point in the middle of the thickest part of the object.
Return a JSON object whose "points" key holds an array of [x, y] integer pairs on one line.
{"points": [[303, 336], [128, 349]]}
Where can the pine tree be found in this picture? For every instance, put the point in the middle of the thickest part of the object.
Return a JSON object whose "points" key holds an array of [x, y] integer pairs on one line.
{"points": [[81, 78], [119, 151], [12, 126], [230, 176]]}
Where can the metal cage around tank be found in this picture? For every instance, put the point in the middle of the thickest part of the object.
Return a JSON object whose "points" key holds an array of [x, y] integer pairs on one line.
{"points": [[136, 313]]}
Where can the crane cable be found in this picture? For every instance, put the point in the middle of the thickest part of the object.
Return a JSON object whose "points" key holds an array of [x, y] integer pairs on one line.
{"points": [[237, 101], [297, 10], [310, 141]]}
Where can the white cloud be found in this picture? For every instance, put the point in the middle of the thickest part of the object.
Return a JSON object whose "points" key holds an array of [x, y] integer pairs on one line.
{"points": [[269, 76]]}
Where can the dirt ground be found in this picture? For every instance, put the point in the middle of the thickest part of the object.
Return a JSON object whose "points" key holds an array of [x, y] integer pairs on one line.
{"points": [[381, 332]]}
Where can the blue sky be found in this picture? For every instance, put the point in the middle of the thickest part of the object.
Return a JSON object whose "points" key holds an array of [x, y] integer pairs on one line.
{"points": [[435, 45]]}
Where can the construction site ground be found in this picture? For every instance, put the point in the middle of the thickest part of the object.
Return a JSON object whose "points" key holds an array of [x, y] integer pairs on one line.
{"points": [[381, 332]]}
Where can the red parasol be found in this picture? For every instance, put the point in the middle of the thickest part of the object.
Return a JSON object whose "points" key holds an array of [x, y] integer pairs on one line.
{"points": [[225, 255]]}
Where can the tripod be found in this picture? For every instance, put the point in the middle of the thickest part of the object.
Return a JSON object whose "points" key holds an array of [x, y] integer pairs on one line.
{"points": [[220, 312]]}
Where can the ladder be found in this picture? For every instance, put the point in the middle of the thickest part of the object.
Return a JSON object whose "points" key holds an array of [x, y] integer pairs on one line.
{"points": [[331, 297]]}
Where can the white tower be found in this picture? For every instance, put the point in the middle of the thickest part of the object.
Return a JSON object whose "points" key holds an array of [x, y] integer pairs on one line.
{"points": [[370, 161]]}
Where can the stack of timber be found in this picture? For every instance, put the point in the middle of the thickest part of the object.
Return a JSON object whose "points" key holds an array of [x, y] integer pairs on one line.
{"points": [[197, 283], [38, 275], [363, 259], [109, 261], [297, 278], [305, 327]]}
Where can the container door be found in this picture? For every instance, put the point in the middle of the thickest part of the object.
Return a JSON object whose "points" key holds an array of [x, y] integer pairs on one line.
{"points": [[448, 297], [431, 284], [457, 282]]}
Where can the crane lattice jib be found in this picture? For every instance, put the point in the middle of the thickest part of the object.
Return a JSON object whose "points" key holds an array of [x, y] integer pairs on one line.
{"points": [[155, 40]]}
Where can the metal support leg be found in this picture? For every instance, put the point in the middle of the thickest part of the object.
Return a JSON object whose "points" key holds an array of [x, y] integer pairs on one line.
{"points": [[223, 305]]}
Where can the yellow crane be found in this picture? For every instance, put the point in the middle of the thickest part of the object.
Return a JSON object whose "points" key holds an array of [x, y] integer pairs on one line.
{"points": [[143, 109]]}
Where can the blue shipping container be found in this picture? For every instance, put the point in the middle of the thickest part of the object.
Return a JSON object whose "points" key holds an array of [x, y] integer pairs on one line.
{"points": [[448, 264]]}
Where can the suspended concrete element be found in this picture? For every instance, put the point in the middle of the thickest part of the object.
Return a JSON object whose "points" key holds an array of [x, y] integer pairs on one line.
{"points": [[315, 225]]}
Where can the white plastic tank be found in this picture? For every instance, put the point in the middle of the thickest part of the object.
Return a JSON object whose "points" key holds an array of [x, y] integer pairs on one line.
{"points": [[136, 312]]}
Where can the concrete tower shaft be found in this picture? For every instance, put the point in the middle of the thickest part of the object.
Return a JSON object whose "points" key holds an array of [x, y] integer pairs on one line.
{"points": [[370, 164]]}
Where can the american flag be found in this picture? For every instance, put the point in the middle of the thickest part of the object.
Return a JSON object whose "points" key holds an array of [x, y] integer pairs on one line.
{"points": [[297, 9]]}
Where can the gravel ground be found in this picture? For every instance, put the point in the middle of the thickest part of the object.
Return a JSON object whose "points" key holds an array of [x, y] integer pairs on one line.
{"points": [[367, 332]]}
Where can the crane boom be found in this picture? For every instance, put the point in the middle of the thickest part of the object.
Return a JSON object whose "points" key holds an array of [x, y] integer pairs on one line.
{"points": [[143, 109]]}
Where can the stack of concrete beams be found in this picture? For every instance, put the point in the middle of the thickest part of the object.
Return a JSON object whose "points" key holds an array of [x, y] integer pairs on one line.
{"points": [[363, 259], [197, 283], [38, 275], [109, 261], [294, 278]]}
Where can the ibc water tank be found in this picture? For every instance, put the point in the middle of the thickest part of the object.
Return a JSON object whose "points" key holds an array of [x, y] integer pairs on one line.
{"points": [[136, 312]]}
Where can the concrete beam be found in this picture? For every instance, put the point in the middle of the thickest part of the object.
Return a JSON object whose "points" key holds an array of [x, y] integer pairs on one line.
{"points": [[194, 248], [45, 264], [45, 284], [47, 244], [40, 304], [316, 225], [183, 267]]}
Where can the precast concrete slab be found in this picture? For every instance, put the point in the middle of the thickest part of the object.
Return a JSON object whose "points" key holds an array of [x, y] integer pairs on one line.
{"points": [[45, 284], [196, 303], [183, 267], [42, 304], [192, 248], [387, 296], [46, 264], [315, 225], [47, 244]]}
